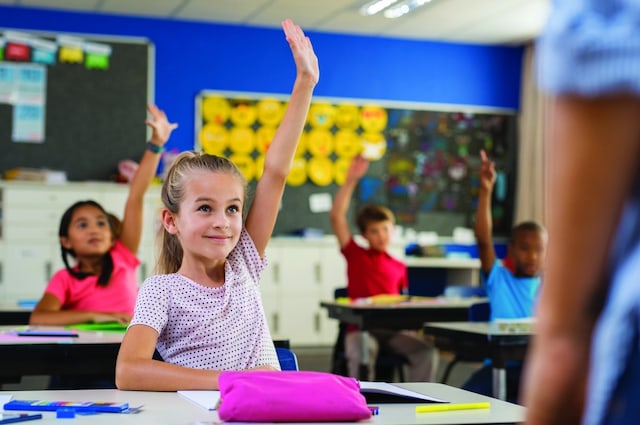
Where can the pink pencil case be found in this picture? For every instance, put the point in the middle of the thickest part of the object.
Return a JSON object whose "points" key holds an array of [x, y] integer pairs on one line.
{"points": [[290, 396]]}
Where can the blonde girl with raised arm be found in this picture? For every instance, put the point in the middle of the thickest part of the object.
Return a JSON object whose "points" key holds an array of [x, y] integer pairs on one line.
{"points": [[204, 312]]}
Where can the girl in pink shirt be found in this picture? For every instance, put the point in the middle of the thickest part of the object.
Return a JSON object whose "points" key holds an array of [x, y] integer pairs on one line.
{"points": [[102, 285], [204, 313]]}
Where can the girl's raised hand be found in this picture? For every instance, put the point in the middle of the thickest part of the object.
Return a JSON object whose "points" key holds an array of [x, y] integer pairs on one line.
{"points": [[160, 125], [303, 54]]}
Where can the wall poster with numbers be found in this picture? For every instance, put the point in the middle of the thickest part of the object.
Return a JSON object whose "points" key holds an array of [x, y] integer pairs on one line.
{"points": [[424, 158]]}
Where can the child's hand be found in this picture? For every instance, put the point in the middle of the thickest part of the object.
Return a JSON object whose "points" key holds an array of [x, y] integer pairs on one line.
{"points": [[161, 126], [487, 172], [303, 54], [122, 318], [358, 168]]}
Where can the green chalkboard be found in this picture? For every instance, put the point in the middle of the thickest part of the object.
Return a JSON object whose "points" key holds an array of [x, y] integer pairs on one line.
{"points": [[94, 111]]}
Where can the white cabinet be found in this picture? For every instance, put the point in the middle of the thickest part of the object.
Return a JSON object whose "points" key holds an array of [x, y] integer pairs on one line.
{"points": [[301, 273], [30, 216]]}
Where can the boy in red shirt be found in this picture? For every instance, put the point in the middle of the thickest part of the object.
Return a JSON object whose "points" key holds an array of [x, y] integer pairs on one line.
{"points": [[372, 271]]}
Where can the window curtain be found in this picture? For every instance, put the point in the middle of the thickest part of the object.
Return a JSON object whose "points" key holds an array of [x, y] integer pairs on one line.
{"points": [[535, 108]]}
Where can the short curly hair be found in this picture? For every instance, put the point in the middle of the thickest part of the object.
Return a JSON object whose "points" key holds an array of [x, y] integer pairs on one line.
{"points": [[373, 214]]}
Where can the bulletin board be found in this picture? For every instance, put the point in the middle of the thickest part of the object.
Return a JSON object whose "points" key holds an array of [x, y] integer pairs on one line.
{"points": [[73, 103], [424, 159]]}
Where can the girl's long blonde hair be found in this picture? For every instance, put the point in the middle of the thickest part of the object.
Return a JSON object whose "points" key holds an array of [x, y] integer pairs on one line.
{"points": [[173, 190]]}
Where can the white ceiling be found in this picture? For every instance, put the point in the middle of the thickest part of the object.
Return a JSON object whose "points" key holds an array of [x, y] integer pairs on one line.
{"points": [[472, 21]]}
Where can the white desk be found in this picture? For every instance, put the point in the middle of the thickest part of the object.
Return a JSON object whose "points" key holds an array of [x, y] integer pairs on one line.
{"points": [[500, 341], [162, 408], [398, 316]]}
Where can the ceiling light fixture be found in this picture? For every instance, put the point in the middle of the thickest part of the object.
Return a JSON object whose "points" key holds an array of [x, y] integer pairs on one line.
{"points": [[376, 6], [403, 8]]}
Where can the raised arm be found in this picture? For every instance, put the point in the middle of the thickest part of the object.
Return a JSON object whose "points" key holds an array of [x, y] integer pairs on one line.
{"points": [[484, 224], [132, 220], [277, 164], [338, 214]]}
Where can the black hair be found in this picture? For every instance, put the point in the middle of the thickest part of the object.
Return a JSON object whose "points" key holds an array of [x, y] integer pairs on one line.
{"points": [[65, 223], [527, 226]]}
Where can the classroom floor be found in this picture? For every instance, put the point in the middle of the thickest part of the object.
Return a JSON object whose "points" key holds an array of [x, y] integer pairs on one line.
{"points": [[309, 358]]}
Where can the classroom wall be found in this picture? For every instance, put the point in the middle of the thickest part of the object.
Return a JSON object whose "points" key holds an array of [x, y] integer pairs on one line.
{"points": [[194, 56]]}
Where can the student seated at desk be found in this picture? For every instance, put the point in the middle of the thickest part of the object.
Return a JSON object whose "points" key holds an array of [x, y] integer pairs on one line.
{"points": [[372, 271], [102, 285], [204, 312], [512, 291]]}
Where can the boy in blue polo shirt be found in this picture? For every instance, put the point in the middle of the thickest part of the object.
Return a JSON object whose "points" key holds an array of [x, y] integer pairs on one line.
{"points": [[512, 291]]}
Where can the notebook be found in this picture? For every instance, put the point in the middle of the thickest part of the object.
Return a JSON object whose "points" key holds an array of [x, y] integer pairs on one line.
{"points": [[207, 399], [382, 392]]}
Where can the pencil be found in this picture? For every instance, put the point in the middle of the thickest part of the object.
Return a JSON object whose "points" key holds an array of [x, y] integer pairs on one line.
{"points": [[445, 407]]}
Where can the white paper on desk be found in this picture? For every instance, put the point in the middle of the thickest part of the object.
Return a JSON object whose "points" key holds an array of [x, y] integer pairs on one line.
{"points": [[4, 399], [207, 399], [385, 388]]}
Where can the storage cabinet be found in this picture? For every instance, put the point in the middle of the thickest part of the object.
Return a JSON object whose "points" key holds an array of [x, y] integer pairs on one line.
{"points": [[301, 273]]}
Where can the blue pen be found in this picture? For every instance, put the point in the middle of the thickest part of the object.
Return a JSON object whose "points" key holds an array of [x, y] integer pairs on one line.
{"points": [[374, 410]]}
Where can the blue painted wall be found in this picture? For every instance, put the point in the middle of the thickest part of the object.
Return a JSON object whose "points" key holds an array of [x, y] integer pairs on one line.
{"points": [[193, 56]]}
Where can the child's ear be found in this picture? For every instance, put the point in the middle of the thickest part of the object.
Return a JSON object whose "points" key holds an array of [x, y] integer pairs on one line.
{"points": [[169, 221], [65, 242]]}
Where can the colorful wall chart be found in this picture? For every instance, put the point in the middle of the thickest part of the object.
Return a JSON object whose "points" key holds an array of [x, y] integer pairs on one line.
{"points": [[73, 103], [23, 75], [423, 166], [242, 129]]}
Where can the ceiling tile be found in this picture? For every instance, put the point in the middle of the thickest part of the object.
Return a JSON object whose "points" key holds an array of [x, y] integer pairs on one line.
{"points": [[237, 11], [152, 8], [304, 13], [475, 21], [80, 5], [521, 23]]}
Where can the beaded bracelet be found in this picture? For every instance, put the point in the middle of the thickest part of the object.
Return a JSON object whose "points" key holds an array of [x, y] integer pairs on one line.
{"points": [[154, 148]]}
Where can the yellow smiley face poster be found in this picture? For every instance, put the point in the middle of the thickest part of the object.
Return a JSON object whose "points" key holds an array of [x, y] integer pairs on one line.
{"points": [[270, 112], [242, 140], [373, 119], [321, 115], [215, 109], [298, 174], [214, 139]]}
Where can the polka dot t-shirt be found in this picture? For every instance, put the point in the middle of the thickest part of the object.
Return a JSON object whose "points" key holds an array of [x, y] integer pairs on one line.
{"points": [[200, 327]]}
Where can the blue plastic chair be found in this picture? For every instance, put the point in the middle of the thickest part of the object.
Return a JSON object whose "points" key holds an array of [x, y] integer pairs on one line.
{"points": [[287, 359]]}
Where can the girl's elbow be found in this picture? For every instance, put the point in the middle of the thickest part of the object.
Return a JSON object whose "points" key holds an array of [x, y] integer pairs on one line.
{"points": [[125, 377]]}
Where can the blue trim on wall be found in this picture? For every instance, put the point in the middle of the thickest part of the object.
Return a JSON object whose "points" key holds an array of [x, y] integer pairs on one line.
{"points": [[195, 56]]}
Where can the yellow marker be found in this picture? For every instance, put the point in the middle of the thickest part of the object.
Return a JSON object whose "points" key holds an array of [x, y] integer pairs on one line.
{"points": [[445, 407]]}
